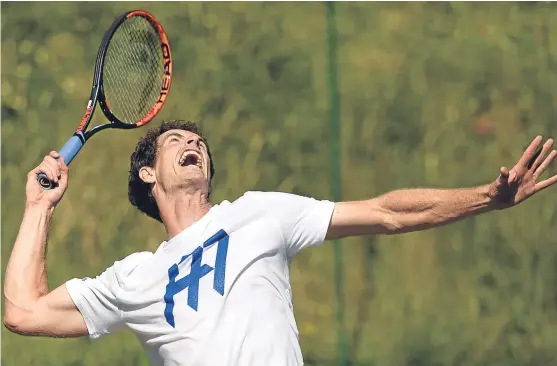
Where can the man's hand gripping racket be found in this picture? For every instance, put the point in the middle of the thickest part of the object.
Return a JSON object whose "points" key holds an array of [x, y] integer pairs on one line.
{"points": [[132, 79]]}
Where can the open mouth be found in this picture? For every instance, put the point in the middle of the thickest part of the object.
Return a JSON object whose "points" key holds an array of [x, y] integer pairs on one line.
{"points": [[191, 158]]}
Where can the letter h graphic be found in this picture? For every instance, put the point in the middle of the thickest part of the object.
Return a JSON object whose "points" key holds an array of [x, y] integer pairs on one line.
{"points": [[191, 281]]}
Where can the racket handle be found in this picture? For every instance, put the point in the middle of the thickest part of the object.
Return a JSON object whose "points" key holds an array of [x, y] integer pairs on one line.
{"points": [[68, 152]]}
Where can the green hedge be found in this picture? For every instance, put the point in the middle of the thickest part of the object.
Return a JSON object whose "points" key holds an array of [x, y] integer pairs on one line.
{"points": [[432, 94]]}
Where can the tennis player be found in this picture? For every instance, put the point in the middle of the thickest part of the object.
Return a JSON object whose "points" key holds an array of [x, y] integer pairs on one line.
{"points": [[217, 291]]}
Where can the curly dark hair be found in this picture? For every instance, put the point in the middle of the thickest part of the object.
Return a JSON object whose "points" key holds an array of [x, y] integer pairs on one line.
{"points": [[145, 154]]}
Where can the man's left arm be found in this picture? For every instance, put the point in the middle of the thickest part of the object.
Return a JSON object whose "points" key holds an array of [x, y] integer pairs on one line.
{"points": [[419, 209], [407, 210]]}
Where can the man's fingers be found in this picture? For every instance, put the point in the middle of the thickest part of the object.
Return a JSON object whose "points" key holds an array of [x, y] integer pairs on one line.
{"points": [[503, 175], [539, 171], [546, 183], [49, 171], [50, 167], [63, 172], [62, 164], [530, 152], [533, 159], [539, 156]]}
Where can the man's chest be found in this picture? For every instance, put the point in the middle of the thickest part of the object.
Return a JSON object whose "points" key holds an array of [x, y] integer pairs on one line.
{"points": [[191, 281]]}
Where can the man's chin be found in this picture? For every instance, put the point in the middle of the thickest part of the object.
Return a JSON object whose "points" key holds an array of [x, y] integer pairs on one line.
{"points": [[194, 181], [194, 176]]}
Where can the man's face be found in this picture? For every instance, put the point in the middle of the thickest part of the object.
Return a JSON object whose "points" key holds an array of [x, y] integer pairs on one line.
{"points": [[182, 162]]}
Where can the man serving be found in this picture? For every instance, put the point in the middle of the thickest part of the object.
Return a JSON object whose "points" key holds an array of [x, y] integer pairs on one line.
{"points": [[217, 291]]}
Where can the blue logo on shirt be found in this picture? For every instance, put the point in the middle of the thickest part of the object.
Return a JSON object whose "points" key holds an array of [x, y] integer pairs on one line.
{"points": [[191, 281]]}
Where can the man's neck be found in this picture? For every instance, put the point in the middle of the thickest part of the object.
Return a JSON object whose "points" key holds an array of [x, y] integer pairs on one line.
{"points": [[179, 213]]}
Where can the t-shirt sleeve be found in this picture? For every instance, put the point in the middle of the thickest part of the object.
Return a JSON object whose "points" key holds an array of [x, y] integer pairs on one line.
{"points": [[97, 298], [304, 221]]}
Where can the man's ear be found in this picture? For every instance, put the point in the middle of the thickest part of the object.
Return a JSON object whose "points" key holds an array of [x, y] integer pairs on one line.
{"points": [[147, 174]]}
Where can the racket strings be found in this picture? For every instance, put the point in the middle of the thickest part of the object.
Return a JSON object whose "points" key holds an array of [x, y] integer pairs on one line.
{"points": [[143, 102], [139, 37], [133, 70], [139, 61]]}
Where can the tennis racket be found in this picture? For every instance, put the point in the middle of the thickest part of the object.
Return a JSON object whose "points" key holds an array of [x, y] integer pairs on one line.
{"points": [[131, 82]]}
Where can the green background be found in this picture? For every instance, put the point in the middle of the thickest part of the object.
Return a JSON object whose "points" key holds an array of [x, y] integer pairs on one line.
{"points": [[432, 95]]}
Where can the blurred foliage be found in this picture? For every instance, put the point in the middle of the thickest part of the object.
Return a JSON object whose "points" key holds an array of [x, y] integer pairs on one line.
{"points": [[433, 94]]}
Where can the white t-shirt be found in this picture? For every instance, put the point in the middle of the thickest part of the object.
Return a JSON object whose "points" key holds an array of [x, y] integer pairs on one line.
{"points": [[216, 294]]}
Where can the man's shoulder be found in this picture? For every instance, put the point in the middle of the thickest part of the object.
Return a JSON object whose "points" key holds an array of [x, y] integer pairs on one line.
{"points": [[251, 203], [125, 267], [260, 196], [274, 199], [115, 275]]}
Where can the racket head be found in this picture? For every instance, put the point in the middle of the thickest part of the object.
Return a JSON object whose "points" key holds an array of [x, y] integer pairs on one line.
{"points": [[134, 70]]}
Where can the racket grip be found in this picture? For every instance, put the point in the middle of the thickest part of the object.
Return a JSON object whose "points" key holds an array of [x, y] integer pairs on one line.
{"points": [[68, 152]]}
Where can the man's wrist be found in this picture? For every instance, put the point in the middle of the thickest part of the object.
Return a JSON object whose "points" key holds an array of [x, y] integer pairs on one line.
{"points": [[485, 197], [41, 207]]}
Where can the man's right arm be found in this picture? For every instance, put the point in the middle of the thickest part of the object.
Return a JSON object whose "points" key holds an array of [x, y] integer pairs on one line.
{"points": [[52, 315], [29, 307]]}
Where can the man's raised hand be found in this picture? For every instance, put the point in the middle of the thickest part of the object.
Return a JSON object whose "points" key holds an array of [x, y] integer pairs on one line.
{"points": [[522, 181]]}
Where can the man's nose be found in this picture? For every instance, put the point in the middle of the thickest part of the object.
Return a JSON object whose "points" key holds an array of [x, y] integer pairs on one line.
{"points": [[193, 141]]}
